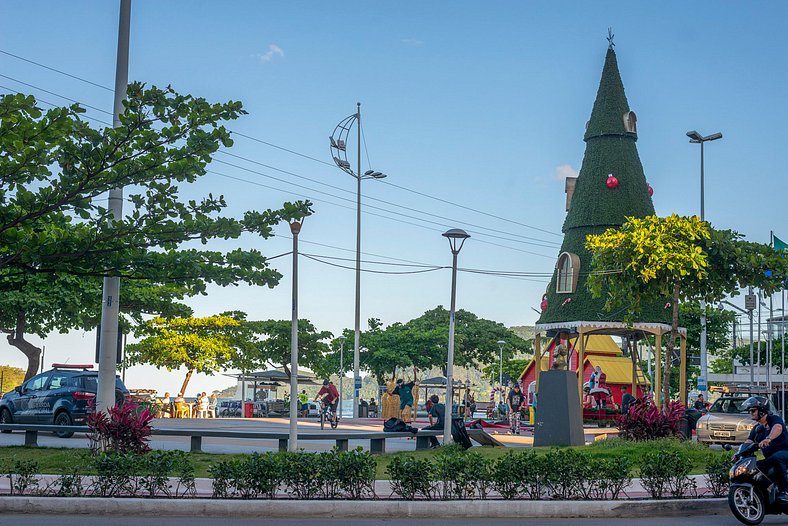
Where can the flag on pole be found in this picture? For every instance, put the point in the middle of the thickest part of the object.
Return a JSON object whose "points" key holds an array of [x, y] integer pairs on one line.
{"points": [[780, 245]]}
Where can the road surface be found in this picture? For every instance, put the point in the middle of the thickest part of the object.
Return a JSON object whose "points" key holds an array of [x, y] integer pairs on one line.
{"points": [[83, 520]]}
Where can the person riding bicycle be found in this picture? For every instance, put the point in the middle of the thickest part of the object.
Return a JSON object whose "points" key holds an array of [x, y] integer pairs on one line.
{"points": [[770, 435], [329, 396], [513, 402]]}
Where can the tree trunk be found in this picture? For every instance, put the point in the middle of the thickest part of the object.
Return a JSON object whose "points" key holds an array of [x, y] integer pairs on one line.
{"points": [[186, 382], [33, 353], [674, 332]]}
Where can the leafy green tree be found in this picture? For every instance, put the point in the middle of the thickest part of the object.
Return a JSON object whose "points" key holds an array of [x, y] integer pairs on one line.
{"points": [[47, 303], [682, 258], [205, 345], [273, 341], [54, 225], [423, 342]]}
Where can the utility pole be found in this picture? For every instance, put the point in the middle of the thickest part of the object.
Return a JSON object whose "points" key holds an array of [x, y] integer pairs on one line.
{"points": [[110, 305]]}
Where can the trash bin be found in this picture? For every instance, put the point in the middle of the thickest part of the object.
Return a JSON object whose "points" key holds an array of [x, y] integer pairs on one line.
{"points": [[248, 409], [363, 411]]}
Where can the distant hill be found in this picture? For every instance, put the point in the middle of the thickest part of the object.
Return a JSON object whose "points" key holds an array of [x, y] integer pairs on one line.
{"points": [[526, 332]]}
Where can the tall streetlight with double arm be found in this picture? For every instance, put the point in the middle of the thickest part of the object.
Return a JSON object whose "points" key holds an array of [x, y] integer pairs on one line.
{"points": [[697, 138], [338, 146]]}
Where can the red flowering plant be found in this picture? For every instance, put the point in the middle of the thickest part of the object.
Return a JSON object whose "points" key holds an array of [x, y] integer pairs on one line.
{"points": [[123, 428], [645, 421]]}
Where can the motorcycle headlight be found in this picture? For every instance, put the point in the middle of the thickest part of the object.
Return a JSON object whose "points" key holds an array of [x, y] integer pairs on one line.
{"points": [[744, 426], [741, 469]]}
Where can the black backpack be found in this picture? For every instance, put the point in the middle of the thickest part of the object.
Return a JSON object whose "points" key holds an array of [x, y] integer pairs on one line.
{"points": [[459, 434], [397, 425]]}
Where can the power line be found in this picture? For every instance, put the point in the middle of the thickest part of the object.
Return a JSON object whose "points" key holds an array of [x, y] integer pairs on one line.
{"points": [[56, 70], [55, 94], [533, 241], [320, 182], [416, 192], [388, 211]]}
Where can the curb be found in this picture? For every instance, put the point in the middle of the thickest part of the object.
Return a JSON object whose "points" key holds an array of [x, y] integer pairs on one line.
{"points": [[498, 509]]}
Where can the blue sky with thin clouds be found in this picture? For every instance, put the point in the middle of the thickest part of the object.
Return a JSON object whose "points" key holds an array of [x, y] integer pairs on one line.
{"points": [[479, 104]]}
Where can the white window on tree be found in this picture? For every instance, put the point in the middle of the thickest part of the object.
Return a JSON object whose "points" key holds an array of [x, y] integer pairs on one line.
{"points": [[568, 268], [631, 122]]}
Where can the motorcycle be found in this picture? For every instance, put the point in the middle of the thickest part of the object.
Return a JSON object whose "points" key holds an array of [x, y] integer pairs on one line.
{"points": [[752, 494]]}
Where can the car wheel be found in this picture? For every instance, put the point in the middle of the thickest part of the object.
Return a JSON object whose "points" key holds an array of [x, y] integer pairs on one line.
{"points": [[63, 419], [6, 418]]}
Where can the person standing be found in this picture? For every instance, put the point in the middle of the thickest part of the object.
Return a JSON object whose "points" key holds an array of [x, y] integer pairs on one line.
{"points": [[700, 403], [514, 401], [626, 399], [437, 415], [303, 399], [405, 392]]}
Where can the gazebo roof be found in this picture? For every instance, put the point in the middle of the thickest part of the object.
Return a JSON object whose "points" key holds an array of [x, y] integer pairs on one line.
{"points": [[275, 377]]}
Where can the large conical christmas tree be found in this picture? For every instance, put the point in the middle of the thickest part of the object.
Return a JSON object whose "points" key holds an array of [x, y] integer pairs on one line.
{"points": [[600, 202]]}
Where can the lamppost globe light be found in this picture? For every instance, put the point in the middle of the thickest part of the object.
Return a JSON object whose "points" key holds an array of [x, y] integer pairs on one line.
{"points": [[697, 138], [456, 239]]}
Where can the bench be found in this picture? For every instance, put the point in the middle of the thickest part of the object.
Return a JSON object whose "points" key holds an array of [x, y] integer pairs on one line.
{"points": [[377, 439]]}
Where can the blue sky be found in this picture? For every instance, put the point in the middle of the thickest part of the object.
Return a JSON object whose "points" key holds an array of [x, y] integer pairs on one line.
{"points": [[478, 104]]}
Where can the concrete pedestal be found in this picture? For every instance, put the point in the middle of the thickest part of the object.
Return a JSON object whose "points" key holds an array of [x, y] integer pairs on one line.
{"points": [[559, 419]]}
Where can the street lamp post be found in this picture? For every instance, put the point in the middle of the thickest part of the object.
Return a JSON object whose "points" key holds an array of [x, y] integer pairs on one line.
{"points": [[697, 138], [292, 443], [341, 339], [338, 146], [456, 239]]}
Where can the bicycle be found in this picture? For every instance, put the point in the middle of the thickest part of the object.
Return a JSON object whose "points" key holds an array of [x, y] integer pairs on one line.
{"points": [[328, 414]]}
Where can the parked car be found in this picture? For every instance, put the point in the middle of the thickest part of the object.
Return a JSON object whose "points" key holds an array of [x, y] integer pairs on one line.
{"points": [[62, 396], [726, 422]]}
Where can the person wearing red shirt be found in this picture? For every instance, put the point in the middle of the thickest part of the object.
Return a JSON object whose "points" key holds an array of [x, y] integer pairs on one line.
{"points": [[329, 395]]}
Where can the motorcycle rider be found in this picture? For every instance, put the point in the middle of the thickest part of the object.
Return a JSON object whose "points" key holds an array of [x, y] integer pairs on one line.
{"points": [[772, 438]]}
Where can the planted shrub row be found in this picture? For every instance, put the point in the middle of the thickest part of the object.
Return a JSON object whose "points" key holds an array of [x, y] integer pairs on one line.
{"points": [[452, 474], [328, 475], [116, 474], [560, 473]]}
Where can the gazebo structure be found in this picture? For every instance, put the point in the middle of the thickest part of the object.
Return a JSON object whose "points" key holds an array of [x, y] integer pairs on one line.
{"points": [[611, 186]]}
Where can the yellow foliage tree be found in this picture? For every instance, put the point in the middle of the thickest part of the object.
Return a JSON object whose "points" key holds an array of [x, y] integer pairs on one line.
{"points": [[647, 259], [205, 345]]}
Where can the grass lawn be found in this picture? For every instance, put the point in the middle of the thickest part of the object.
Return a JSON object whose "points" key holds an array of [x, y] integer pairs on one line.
{"points": [[58, 460]]}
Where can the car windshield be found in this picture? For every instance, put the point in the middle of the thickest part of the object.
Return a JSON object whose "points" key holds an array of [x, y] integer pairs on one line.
{"points": [[729, 405]]}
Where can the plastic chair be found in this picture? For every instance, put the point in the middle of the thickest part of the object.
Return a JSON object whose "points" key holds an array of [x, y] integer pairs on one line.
{"points": [[181, 410]]}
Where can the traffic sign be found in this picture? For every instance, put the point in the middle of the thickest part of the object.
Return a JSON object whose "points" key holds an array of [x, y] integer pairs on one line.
{"points": [[357, 384], [701, 383], [750, 302]]}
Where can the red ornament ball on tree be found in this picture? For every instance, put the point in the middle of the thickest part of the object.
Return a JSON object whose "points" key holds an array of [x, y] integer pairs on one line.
{"points": [[611, 182], [650, 191]]}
